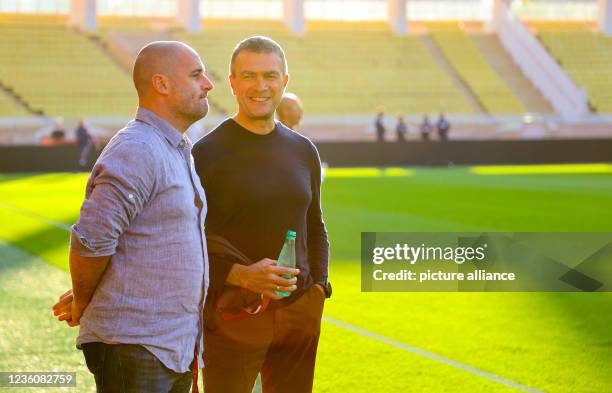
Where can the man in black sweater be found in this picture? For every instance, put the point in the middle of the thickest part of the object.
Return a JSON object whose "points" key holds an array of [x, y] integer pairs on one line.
{"points": [[261, 180]]}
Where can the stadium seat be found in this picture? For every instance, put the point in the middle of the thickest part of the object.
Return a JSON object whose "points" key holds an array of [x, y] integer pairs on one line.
{"points": [[339, 67], [60, 71], [587, 58]]}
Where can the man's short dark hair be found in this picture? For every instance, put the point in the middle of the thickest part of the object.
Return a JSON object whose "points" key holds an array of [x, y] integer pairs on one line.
{"points": [[259, 44]]}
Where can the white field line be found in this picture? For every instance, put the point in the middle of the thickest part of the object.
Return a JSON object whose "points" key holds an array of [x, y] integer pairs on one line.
{"points": [[432, 356], [26, 213]]}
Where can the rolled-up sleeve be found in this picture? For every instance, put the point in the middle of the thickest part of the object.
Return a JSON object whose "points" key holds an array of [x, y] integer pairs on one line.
{"points": [[120, 184]]}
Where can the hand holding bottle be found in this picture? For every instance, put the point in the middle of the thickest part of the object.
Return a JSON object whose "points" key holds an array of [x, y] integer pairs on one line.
{"points": [[264, 277]]}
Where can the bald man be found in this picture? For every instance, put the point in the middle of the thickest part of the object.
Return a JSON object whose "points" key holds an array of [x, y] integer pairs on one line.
{"points": [[138, 257], [290, 110]]}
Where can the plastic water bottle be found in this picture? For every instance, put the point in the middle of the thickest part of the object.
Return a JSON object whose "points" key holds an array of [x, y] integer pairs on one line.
{"points": [[287, 258]]}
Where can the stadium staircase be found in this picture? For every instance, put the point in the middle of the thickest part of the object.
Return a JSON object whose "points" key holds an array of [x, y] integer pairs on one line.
{"points": [[12, 105], [567, 98], [586, 56], [492, 91], [497, 57], [442, 61]]}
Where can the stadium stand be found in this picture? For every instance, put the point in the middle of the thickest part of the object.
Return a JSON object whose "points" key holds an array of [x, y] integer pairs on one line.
{"points": [[492, 91], [586, 56], [336, 66], [340, 67], [59, 71]]}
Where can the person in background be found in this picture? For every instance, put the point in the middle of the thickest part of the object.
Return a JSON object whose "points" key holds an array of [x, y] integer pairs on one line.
{"points": [[425, 128], [290, 110], [57, 136], [84, 143], [401, 129], [380, 126], [442, 126]]}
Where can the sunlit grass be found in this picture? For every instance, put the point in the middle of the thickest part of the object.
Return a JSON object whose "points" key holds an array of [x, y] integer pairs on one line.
{"points": [[541, 169], [542, 340], [368, 172]]}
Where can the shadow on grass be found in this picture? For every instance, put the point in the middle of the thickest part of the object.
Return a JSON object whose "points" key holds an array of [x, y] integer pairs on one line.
{"points": [[8, 177], [42, 244], [10, 259]]}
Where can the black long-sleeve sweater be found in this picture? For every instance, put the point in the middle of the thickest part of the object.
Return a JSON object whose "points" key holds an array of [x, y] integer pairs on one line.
{"points": [[258, 187]]}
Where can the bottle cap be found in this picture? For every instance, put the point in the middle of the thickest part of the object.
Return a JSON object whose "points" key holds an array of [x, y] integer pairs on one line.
{"points": [[290, 235]]}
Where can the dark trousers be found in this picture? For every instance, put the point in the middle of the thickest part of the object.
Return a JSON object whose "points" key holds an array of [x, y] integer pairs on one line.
{"points": [[280, 343], [127, 368]]}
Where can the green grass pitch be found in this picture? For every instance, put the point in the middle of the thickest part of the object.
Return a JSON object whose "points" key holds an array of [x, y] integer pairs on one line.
{"points": [[554, 342]]}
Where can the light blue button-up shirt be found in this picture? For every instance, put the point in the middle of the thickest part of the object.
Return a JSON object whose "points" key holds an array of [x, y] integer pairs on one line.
{"points": [[145, 206]]}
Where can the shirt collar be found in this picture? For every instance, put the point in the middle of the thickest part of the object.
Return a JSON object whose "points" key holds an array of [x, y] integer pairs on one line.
{"points": [[166, 129]]}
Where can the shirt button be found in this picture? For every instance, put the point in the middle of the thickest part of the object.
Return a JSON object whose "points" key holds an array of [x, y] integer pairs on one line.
{"points": [[181, 144]]}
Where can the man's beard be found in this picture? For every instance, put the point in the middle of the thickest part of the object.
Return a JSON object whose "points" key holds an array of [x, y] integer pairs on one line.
{"points": [[196, 111]]}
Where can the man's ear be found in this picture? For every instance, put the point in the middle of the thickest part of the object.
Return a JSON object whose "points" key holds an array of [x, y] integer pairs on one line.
{"points": [[285, 80], [161, 84]]}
